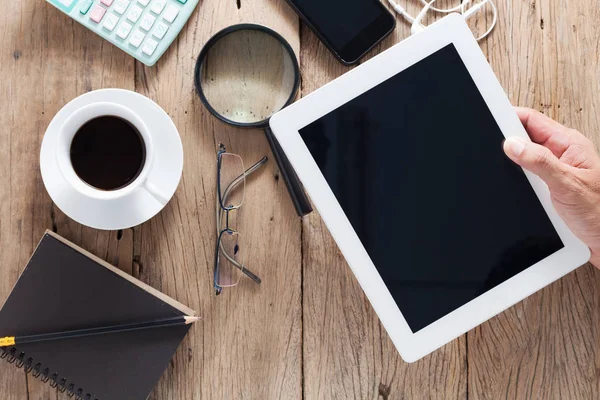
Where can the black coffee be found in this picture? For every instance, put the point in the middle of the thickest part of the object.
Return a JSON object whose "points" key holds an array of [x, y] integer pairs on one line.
{"points": [[108, 153]]}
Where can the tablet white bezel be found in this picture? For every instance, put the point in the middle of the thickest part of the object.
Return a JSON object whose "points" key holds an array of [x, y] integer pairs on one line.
{"points": [[289, 121]]}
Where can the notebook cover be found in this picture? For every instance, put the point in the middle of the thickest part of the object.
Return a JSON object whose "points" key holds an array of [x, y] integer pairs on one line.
{"points": [[65, 288]]}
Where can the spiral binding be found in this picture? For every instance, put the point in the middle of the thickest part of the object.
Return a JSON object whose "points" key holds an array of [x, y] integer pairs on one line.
{"points": [[20, 359]]}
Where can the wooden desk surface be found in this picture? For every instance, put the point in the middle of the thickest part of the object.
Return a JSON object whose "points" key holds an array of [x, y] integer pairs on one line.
{"points": [[308, 332]]}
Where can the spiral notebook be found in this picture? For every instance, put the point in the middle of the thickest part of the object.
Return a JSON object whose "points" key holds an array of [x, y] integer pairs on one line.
{"points": [[65, 288]]}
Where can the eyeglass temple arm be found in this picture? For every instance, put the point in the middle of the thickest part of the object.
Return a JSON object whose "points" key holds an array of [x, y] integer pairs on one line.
{"points": [[239, 179], [233, 184], [245, 270], [228, 189], [239, 266]]}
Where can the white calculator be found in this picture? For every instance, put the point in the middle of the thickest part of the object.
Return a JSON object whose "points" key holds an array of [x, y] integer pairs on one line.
{"points": [[142, 28]]}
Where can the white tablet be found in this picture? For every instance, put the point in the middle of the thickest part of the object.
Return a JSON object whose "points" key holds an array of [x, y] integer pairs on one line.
{"points": [[403, 159]]}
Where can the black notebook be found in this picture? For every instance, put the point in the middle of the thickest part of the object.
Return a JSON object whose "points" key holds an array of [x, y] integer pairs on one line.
{"points": [[65, 288]]}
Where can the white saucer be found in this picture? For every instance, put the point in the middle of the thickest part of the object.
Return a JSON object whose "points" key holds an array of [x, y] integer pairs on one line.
{"points": [[138, 206]]}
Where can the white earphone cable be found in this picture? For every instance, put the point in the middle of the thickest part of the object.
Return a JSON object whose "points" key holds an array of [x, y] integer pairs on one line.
{"points": [[417, 26], [458, 8], [461, 8], [494, 20], [400, 10]]}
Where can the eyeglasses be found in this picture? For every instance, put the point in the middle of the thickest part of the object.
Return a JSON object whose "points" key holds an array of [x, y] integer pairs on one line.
{"points": [[231, 187]]}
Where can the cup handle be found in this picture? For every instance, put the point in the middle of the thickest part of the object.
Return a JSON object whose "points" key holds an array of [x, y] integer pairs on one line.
{"points": [[154, 192]]}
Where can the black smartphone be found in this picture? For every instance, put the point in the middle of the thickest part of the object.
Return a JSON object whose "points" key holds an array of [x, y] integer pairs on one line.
{"points": [[349, 28]]}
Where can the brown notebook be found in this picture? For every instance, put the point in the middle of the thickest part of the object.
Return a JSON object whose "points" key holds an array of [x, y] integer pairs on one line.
{"points": [[65, 288]]}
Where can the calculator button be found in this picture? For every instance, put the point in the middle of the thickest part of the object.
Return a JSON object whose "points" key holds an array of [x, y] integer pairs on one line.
{"points": [[143, 2], [123, 30], [134, 14], [66, 3], [171, 13], [147, 22], [160, 30], [136, 39], [157, 6], [121, 6], [149, 47], [85, 6], [110, 22], [107, 3], [97, 13]]}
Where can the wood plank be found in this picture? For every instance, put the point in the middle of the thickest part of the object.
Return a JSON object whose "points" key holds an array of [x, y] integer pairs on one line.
{"points": [[20, 133], [248, 345], [546, 347], [347, 353], [18, 141], [97, 64], [47, 60]]}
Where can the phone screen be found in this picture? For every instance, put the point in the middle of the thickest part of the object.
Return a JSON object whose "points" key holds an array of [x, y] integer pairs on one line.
{"points": [[349, 27]]}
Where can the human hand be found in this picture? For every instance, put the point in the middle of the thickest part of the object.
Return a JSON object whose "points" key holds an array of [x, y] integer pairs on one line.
{"points": [[570, 165]]}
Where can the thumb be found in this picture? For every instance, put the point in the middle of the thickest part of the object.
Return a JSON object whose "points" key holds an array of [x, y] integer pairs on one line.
{"points": [[537, 159]]}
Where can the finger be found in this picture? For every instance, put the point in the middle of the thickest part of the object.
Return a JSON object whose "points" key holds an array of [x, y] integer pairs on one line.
{"points": [[537, 159], [544, 130]]}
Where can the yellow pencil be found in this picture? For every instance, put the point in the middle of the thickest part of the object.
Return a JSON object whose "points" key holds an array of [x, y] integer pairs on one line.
{"points": [[161, 323]]}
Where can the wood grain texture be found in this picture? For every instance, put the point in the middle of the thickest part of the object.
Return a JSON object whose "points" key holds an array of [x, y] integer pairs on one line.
{"points": [[308, 331], [47, 60], [545, 54], [76, 61], [249, 342]]}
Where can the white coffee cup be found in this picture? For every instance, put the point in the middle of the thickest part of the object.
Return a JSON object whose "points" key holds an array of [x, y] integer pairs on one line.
{"points": [[146, 194], [63, 150]]}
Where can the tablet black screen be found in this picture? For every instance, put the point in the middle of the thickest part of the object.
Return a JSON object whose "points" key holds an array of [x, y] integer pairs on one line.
{"points": [[418, 168]]}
